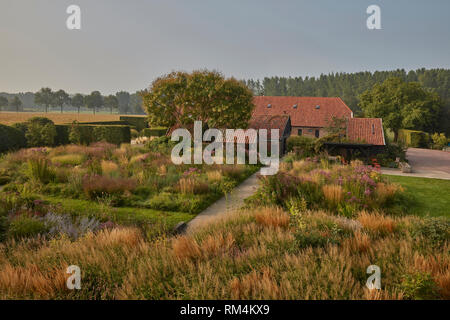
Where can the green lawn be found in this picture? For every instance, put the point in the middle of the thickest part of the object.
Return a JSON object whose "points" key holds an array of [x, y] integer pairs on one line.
{"points": [[432, 195], [123, 215]]}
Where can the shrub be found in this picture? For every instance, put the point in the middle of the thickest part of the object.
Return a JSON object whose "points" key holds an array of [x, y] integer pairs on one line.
{"points": [[419, 286], [414, 139], [439, 141], [96, 186], [112, 134], [62, 134], [40, 132], [134, 133], [139, 122], [87, 134], [301, 144], [154, 132], [11, 138], [435, 230], [24, 226]]}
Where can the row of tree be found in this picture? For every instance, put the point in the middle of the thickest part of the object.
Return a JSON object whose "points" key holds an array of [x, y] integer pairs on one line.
{"points": [[14, 103], [122, 102], [350, 86]]}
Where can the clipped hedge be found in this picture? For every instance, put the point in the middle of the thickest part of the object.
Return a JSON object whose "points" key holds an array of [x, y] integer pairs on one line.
{"points": [[87, 134], [11, 138], [62, 134], [414, 139], [139, 122], [154, 132]]}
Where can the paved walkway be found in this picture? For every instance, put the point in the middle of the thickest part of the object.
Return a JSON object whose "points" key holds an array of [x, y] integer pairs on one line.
{"points": [[425, 163], [220, 207]]}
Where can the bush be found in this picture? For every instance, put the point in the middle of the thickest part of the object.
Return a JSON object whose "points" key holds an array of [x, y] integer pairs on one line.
{"points": [[435, 230], [154, 132], [419, 286], [139, 122], [439, 141], [62, 134], [87, 134], [112, 134], [302, 144], [414, 139], [134, 133], [24, 226], [11, 138], [96, 186], [40, 132]]}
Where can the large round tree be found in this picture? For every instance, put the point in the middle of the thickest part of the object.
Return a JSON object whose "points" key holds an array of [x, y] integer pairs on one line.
{"points": [[181, 98]]}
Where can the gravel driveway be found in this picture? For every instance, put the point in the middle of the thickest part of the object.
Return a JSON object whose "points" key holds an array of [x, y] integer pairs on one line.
{"points": [[427, 160]]}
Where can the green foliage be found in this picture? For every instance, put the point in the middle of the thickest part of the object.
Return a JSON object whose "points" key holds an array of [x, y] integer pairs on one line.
{"points": [[112, 134], [439, 140], [303, 144], [139, 122], [154, 132], [40, 170], [25, 226], [179, 98], [435, 230], [412, 138], [402, 105], [87, 134], [349, 86], [62, 134], [419, 286], [11, 138]]}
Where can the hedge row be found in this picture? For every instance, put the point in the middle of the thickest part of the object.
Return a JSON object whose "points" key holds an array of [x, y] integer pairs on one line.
{"points": [[154, 132], [139, 122], [414, 139], [86, 134], [11, 138]]}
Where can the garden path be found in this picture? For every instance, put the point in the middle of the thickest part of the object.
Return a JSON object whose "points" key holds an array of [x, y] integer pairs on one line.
{"points": [[224, 206]]}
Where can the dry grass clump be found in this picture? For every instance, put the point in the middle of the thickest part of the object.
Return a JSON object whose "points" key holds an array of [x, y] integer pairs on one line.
{"points": [[377, 223], [214, 176], [270, 217], [333, 193], [192, 186], [109, 168], [256, 254]]}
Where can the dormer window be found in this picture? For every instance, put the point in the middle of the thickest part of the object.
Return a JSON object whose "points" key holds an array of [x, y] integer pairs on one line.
{"points": [[269, 106], [295, 106], [317, 107]]}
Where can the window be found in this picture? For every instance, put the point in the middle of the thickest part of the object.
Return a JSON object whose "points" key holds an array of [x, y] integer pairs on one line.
{"points": [[299, 132], [317, 133]]}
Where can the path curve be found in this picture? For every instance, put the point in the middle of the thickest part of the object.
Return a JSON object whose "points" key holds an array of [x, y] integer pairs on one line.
{"points": [[222, 206]]}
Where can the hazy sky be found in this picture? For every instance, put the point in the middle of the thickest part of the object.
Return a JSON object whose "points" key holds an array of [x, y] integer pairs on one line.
{"points": [[125, 44]]}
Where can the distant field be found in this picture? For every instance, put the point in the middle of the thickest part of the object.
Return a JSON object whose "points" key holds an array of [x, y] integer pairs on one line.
{"points": [[10, 118]]}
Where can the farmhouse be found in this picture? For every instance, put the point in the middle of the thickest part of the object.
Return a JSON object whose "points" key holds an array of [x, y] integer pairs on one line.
{"points": [[310, 116]]}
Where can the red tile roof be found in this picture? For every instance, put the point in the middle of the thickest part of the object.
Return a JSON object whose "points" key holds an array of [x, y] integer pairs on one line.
{"points": [[366, 130], [256, 123], [306, 114]]}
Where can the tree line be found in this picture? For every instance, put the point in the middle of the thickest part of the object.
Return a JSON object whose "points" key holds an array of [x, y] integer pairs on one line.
{"points": [[350, 86], [46, 99]]}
